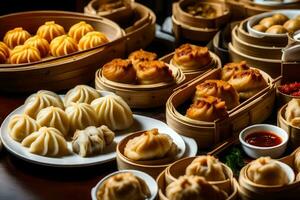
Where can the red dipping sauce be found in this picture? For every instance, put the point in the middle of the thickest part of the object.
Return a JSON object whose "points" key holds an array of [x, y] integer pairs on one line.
{"points": [[263, 139]]}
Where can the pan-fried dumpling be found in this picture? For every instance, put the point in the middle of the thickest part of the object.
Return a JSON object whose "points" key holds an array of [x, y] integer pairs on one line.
{"points": [[63, 45], [113, 112], [47, 141], [50, 30], [292, 112], [266, 171], [92, 140], [248, 83], [81, 94], [40, 43], [24, 54], [207, 166], [207, 109], [54, 117], [123, 186], [220, 89], [77, 31], [92, 39], [15, 37], [81, 115], [190, 57], [42, 99], [150, 145], [193, 188], [231, 68], [141, 55], [297, 161], [4, 52], [20, 126]]}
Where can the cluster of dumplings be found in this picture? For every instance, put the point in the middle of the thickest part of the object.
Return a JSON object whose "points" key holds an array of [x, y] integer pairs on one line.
{"points": [[213, 98], [82, 116], [141, 67], [278, 24], [292, 112], [51, 39], [201, 9]]}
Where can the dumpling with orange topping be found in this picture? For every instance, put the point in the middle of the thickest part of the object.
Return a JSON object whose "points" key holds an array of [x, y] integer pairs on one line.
{"points": [[231, 68], [141, 55]]}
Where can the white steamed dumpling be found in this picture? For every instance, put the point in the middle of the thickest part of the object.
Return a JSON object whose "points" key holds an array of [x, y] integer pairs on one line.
{"points": [[81, 94]]}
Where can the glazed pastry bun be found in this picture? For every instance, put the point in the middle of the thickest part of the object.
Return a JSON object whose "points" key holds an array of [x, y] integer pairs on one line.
{"points": [[92, 140], [220, 89], [260, 28], [81, 94], [119, 70], [92, 39], [24, 54], [280, 18], [208, 167], [292, 112], [123, 186], [77, 31], [47, 141], [40, 43], [276, 29], [268, 22], [207, 109], [231, 68], [63, 45], [150, 145], [141, 55], [151, 72], [190, 57], [4, 52], [292, 25], [50, 30], [15, 37]]}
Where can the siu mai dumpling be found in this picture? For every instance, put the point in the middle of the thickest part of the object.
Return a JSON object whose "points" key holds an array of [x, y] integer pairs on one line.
{"points": [[141, 55], [266, 171], [15, 37], [77, 31], [292, 112], [47, 141], [4, 52], [231, 68], [63, 45], [81, 94], [92, 39], [208, 167], [92, 140], [193, 188], [40, 43], [113, 111], [123, 186], [220, 89], [24, 54], [50, 30]]}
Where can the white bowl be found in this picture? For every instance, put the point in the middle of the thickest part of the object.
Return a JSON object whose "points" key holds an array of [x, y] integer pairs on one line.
{"points": [[256, 151], [150, 182]]}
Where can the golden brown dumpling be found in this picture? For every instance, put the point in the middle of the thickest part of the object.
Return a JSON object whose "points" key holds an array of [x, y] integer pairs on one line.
{"points": [[150, 145], [81, 94], [207, 109], [292, 25], [266, 171], [50, 30], [276, 29], [208, 167], [120, 71], [151, 72], [92, 39], [248, 83], [24, 54], [4, 52], [63, 45], [77, 31], [292, 112], [268, 22], [40, 43], [260, 28], [231, 68], [297, 161], [15, 37], [220, 89], [280, 18], [141, 55], [123, 186], [193, 188], [191, 57]]}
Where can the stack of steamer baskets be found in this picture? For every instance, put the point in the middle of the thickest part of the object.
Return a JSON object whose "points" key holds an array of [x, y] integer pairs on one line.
{"points": [[137, 20], [260, 49], [198, 21], [57, 73]]}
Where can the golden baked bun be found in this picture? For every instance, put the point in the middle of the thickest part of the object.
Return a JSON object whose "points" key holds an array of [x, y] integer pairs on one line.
{"points": [[220, 89], [4, 52], [276, 29], [119, 70], [15, 37], [280, 18], [260, 28], [207, 109], [150, 145], [24, 54], [268, 22], [191, 57], [50, 30], [77, 31], [248, 83], [141, 55], [151, 72], [92, 39], [63, 45], [40, 43], [111, 5], [292, 112], [231, 68], [292, 25]]}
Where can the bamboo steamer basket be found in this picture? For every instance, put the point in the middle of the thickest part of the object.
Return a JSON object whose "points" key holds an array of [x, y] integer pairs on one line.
{"points": [[190, 74], [254, 110], [61, 72], [222, 11], [141, 96]]}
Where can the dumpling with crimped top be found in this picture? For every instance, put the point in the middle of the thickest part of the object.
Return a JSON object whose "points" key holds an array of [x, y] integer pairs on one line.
{"points": [[24, 54], [77, 31], [292, 112], [63, 45], [92, 140], [231, 68], [47, 141], [20, 126], [40, 43], [15, 37], [113, 112], [42, 99], [193, 188], [50, 30], [141, 55], [81, 94], [208, 167], [4, 52], [150, 145], [92, 39]]}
